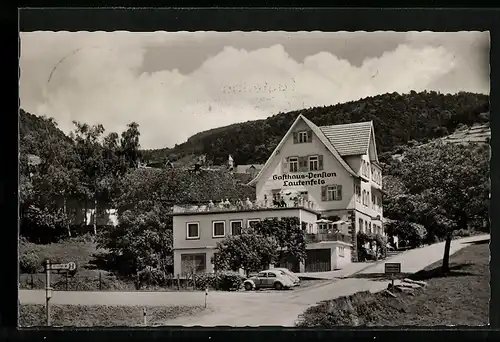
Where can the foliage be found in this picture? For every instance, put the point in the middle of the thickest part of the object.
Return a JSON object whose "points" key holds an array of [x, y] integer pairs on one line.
{"points": [[447, 188], [29, 262], [397, 118], [223, 280], [288, 234], [248, 251], [142, 239], [409, 233]]}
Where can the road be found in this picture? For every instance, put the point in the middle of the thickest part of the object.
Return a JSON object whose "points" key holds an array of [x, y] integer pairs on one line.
{"points": [[259, 308]]}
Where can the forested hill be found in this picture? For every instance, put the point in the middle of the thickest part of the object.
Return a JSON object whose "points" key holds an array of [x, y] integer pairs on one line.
{"points": [[34, 130], [397, 119]]}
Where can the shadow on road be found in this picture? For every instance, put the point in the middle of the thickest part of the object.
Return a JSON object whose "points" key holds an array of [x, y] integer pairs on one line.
{"points": [[479, 242], [380, 276], [437, 272]]}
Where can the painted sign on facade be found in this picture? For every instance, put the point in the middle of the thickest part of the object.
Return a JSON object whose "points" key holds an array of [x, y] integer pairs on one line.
{"points": [[310, 178]]}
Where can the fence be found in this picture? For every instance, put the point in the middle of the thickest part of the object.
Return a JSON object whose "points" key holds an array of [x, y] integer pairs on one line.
{"points": [[104, 281], [243, 205]]}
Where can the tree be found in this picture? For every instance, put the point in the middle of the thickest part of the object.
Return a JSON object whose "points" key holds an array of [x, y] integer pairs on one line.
{"points": [[90, 161], [448, 187], [130, 145], [143, 237], [288, 234], [249, 251]]}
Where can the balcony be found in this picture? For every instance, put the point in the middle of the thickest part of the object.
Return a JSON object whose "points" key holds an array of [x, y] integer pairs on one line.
{"points": [[319, 237], [242, 206]]}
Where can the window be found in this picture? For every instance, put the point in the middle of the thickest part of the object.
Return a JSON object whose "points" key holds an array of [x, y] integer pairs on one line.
{"points": [[310, 227], [368, 198], [331, 192], [293, 163], [341, 251], [313, 163], [302, 137], [251, 222], [373, 201], [368, 169], [357, 191], [366, 227], [193, 263], [271, 275], [304, 195], [193, 230], [361, 225], [236, 227], [364, 197], [218, 229]]}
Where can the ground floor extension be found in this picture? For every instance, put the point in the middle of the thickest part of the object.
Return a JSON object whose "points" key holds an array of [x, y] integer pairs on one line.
{"points": [[321, 256]]}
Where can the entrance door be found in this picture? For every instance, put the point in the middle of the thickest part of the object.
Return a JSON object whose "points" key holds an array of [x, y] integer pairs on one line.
{"points": [[318, 260]]}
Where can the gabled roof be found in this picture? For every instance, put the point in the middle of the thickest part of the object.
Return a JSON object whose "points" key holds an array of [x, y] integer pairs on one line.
{"points": [[316, 130], [244, 168], [349, 139]]}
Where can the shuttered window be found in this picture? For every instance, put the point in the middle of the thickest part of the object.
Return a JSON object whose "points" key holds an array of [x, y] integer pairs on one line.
{"points": [[313, 163], [331, 193], [302, 137]]}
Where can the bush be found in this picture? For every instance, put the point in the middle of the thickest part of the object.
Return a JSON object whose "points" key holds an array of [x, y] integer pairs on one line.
{"points": [[224, 280], [462, 233], [29, 262], [229, 280], [410, 234]]}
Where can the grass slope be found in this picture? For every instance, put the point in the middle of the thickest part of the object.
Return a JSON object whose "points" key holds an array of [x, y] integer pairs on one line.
{"points": [[31, 315], [459, 298]]}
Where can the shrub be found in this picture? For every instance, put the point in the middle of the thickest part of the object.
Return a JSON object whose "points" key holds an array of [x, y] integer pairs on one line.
{"points": [[29, 262], [224, 280], [229, 280], [462, 233]]}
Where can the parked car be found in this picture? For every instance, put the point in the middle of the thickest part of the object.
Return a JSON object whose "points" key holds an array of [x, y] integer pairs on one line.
{"points": [[293, 276], [268, 279]]}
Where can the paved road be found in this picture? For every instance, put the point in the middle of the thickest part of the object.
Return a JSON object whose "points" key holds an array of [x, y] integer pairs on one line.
{"points": [[254, 308]]}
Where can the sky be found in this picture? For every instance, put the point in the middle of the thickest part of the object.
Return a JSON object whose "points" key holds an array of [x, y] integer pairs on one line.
{"points": [[176, 84]]}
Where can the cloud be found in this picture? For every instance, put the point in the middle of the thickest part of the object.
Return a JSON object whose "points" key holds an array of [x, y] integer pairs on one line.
{"points": [[100, 80]]}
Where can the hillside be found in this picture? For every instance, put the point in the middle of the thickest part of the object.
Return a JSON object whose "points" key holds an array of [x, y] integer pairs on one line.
{"points": [[397, 119], [34, 129]]}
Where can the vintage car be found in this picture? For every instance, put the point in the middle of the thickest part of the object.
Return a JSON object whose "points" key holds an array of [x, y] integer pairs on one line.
{"points": [[293, 276], [268, 279]]}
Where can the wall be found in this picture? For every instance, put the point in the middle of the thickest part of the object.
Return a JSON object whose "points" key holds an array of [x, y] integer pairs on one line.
{"points": [[209, 253], [205, 224], [266, 183], [336, 261]]}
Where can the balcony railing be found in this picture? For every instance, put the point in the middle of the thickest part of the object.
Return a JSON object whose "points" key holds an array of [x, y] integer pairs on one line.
{"points": [[242, 205], [318, 237]]}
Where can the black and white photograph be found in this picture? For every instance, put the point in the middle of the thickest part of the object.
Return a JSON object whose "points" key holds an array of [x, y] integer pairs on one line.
{"points": [[245, 179]]}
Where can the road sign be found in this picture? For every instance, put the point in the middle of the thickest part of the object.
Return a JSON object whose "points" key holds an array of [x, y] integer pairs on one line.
{"points": [[392, 267], [70, 266]]}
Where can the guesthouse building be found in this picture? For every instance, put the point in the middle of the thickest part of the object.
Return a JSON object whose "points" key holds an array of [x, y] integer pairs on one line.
{"points": [[327, 176]]}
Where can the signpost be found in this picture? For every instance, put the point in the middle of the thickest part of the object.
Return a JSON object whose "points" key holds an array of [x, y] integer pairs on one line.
{"points": [[392, 268], [68, 267]]}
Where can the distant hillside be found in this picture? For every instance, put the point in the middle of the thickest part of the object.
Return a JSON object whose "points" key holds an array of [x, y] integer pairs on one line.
{"points": [[397, 119], [34, 129]]}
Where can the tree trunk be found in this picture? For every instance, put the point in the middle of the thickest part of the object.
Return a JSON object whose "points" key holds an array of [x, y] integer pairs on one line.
{"points": [[66, 213], [95, 216], [446, 257]]}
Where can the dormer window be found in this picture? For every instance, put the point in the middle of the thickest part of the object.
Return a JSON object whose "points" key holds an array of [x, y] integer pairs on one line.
{"points": [[302, 137]]}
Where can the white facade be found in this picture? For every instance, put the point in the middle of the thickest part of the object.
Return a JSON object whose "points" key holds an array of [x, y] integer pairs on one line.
{"points": [[347, 187]]}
